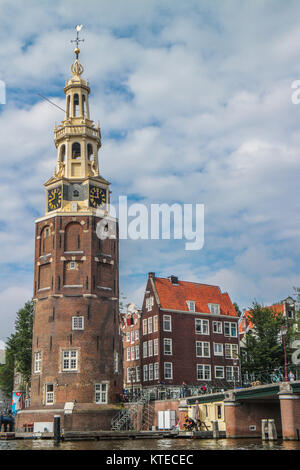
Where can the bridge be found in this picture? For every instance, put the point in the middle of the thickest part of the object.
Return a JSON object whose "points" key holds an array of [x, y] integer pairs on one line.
{"points": [[246, 407]]}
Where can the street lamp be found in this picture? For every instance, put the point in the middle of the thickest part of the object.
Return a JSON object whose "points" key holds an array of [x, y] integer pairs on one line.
{"points": [[283, 332]]}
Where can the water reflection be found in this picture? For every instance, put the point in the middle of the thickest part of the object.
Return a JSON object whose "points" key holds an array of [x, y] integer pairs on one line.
{"points": [[153, 444]]}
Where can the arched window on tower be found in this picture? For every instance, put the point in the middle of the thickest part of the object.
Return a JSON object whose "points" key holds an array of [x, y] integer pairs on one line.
{"points": [[62, 153], [89, 151], [83, 106], [68, 106], [76, 151], [76, 105]]}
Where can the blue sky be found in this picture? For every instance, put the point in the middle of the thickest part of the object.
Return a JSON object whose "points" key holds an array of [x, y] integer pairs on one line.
{"points": [[194, 103]]}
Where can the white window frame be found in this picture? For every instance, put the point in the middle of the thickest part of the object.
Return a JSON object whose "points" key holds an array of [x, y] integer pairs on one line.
{"points": [[221, 368], [101, 393], [201, 345], [201, 322], [168, 341], [150, 348], [145, 372], [138, 373], [217, 325], [132, 353], [155, 347], [169, 366], [49, 394], [150, 325], [218, 349], [72, 265], [204, 368], [136, 335], [230, 377], [78, 322], [156, 371], [155, 323], [37, 362], [132, 337], [230, 347], [70, 356], [150, 372], [149, 303], [128, 350], [128, 336], [167, 319], [230, 329], [145, 349], [145, 326], [137, 352]]}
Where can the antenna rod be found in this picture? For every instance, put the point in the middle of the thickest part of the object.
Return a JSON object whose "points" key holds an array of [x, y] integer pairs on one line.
{"points": [[51, 102]]}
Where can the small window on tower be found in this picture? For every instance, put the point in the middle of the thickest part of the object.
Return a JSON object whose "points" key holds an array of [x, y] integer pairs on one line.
{"points": [[89, 151], [83, 105], [62, 153], [76, 151], [76, 104]]}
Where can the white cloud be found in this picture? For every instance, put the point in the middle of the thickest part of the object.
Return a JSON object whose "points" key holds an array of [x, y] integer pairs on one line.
{"points": [[201, 94]]}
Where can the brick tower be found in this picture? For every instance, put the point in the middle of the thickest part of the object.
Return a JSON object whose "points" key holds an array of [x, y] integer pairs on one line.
{"points": [[76, 352]]}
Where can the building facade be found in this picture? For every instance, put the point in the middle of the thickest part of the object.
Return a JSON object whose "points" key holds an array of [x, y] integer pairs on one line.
{"points": [[76, 353], [131, 322], [189, 338]]}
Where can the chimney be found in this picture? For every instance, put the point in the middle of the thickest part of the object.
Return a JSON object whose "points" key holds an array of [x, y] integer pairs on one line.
{"points": [[173, 280], [151, 275]]}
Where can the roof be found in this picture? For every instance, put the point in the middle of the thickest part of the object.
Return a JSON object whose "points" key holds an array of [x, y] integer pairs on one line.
{"points": [[174, 296], [277, 308]]}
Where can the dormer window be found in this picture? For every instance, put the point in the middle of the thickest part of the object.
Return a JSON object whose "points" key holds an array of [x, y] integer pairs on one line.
{"points": [[191, 305], [214, 309]]}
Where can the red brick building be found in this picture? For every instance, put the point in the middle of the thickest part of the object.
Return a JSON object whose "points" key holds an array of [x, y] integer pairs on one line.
{"points": [[130, 327], [189, 333], [77, 354]]}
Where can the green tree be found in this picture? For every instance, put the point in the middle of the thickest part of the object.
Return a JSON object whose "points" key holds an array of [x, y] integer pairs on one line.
{"points": [[263, 351], [7, 369], [18, 350], [237, 309]]}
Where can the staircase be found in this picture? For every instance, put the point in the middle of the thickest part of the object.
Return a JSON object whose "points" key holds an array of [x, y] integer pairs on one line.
{"points": [[148, 415], [127, 418]]}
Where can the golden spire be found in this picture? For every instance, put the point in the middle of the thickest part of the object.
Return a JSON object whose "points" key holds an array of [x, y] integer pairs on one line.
{"points": [[76, 68]]}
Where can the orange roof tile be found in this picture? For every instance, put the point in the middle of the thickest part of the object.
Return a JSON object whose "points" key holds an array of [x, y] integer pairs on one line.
{"points": [[174, 297]]}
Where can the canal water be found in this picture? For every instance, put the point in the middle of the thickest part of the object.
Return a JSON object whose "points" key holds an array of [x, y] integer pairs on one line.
{"points": [[152, 444]]}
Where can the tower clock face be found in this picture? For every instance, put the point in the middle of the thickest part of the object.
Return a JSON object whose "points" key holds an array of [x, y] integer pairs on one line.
{"points": [[97, 196], [54, 199]]}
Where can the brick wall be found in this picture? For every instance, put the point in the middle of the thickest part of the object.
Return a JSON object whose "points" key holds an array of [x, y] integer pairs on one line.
{"points": [[74, 239]]}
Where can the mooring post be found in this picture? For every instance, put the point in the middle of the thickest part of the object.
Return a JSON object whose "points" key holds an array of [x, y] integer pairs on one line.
{"points": [[56, 428], [272, 430], [264, 429], [215, 429]]}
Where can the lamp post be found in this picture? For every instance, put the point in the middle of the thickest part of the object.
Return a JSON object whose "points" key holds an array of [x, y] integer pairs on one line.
{"points": [[283, 332]]}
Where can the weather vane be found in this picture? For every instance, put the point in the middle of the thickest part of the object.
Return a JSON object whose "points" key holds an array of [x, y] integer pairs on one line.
{"points": [[77, 40]]}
